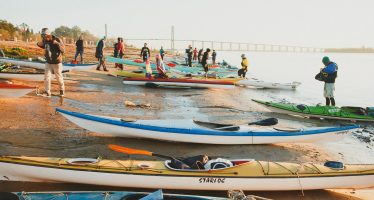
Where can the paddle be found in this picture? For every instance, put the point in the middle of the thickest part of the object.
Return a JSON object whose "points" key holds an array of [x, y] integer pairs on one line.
{"points": [[131, 151], [265, 122]]}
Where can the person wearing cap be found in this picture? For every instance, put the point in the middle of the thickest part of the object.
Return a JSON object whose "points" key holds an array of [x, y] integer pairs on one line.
{"points": [[79, 48], [244, 69], [204, 61], [189, 53], [145, 53], [329, 72], [54, 48], [99, 54]]}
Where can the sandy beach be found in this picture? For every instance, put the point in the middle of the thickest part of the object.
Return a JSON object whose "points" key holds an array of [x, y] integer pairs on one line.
{"points": [[29, 126]]}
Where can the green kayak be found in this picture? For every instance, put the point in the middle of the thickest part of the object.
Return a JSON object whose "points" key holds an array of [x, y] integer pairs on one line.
{"points": [[328, 112]]}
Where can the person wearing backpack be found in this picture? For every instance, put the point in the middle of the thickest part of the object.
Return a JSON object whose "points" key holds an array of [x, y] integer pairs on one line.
{"points": [[329, 74], [54, 48]]}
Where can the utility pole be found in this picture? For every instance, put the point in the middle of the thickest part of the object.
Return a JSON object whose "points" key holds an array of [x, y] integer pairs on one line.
{"points": [[106, 30], [172, 39]]}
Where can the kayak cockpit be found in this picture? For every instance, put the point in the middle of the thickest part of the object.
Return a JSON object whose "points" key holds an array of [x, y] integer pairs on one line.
{"points": [[220, 164], [217, 126]]}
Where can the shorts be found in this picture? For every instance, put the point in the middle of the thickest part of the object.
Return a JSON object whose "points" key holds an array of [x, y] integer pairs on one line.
{"points": [[328, 90]]}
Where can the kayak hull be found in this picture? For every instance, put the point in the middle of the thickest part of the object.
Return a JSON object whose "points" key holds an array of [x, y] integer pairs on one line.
{"points": [[40, 65], [13, 90], [22, 76], [156, 176], [105, 195], [180, 83], [269, 105], [267, 85], [190, 132]]}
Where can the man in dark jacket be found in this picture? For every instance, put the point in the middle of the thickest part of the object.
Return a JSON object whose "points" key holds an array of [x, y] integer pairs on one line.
{"points": [[79, 48], [99, 54], [330, 72], [189, 52], [145, 52], [53, 50]]}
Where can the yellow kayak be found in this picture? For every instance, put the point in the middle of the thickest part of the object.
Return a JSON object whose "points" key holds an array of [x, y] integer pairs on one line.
{"points": [[245, 174]]}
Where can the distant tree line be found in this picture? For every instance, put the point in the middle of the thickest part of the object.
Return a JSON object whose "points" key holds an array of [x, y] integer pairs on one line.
{"points": [[23, 32]]}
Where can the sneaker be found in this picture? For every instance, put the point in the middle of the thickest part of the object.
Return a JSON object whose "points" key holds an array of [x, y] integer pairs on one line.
{"points": [[45, 94], [62, 93], [106, 70], [98, 69]]}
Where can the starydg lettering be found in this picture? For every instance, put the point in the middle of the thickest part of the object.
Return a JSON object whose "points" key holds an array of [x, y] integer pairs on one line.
{"points": [[211, 180]]}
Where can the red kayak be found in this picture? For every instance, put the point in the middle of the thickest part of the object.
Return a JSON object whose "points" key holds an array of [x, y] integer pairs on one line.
{"points": [[13, 90], [175, 82]]}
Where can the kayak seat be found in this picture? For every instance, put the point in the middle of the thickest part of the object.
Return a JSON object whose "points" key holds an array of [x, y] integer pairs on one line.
{"points": [[217, 126], [287, 129], [301, 107]]}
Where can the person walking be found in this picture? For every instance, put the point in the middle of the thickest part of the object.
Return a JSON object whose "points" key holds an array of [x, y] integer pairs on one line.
{"points": [[194, 55], [79, 48], [162, 53], [160, 67], [214, 55], [204, 61], [121, 51], [199, 56], [243, 71], [329, 73], [54, 48], [189, 53], [145, 53], [99, 54]]}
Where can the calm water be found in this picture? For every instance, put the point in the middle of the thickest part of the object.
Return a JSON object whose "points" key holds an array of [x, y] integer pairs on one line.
{"points": [[353, 85]]}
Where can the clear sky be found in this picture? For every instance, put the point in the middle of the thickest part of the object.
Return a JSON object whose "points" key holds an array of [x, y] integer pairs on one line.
{"points": [[315, 23]]}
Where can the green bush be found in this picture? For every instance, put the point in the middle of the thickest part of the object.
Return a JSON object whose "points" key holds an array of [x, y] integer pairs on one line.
{"points": [[16, 53]]}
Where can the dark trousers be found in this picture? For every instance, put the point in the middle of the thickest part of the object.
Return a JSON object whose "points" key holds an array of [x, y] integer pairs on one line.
{"points": [[328, 100], [78, 53], [190, 61], [242, 72], [101, 63]]}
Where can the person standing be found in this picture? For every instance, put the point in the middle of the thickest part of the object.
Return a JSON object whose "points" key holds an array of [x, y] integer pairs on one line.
{"points": [[145, 53], [329, 73], [160, 67], [214, 55], [199, 56], [99, 54], [194, 55], [189, 53], [54, 48], [79, 48], [162, 53], [121, 51], [204, 61], [242, 72]]}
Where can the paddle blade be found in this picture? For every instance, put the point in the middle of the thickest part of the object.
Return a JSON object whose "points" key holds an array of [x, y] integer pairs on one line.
{"points": [[129, 150], [265, 122]]}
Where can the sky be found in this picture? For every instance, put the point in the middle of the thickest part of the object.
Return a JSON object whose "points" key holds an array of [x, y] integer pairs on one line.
{"points": [[310, 23]]}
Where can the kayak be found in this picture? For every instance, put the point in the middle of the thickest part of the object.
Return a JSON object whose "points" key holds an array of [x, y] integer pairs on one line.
{"points": [[41, 65], [179, 82], [129, 74], [105, 195], [267, 85], [193, 131], [30, 76], [242, 174], [328, 112], [13, 90]]}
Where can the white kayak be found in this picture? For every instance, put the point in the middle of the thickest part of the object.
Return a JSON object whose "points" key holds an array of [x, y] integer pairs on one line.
{"points": [[13, 90], [242, 174], [34, 76], [41, 65], [252, 82], [179, 82], [199, 132]]}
